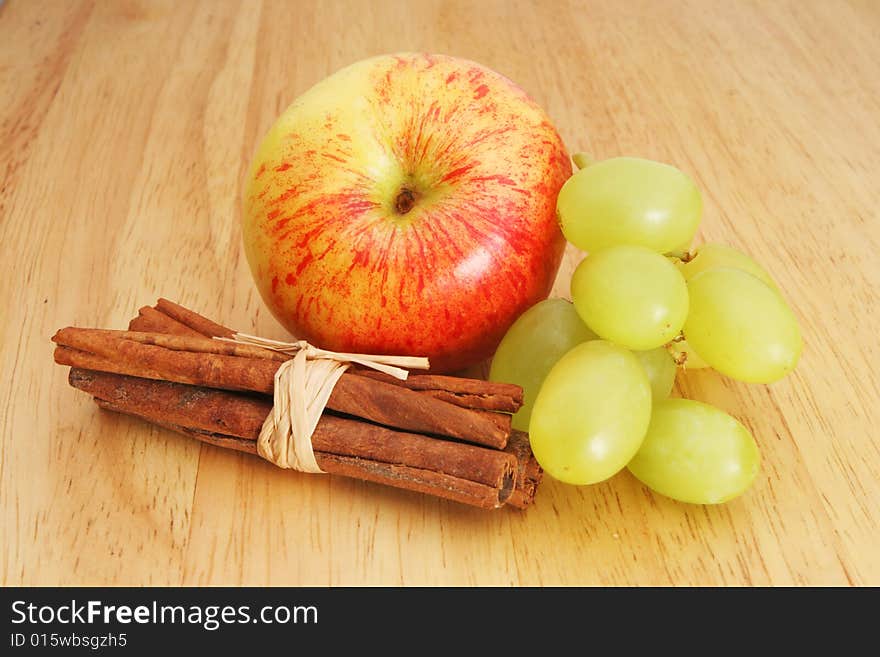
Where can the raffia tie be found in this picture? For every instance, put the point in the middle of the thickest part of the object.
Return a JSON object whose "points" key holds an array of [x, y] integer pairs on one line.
{"points": [[303, 386]]}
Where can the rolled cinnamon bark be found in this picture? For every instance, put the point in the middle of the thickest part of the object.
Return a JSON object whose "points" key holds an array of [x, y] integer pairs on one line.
{"points": [[185, 343], [193, 320], [207, 362], [529, 472], [471, 393], [414, 479], [468, 393], [399, 476], [151, 320], [466, 473]]}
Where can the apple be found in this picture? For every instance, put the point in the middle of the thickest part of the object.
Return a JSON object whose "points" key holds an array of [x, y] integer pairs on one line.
{"points": [[406, 205]]}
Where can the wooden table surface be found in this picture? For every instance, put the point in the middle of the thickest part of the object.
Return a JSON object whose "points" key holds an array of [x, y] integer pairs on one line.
{"points": [[125, 131]]}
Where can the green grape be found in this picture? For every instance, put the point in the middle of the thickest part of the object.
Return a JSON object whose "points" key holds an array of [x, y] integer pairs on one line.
{"points": [[630, 295], [627, 200], [696, 453], [532, 345], [741, 327], [660, 369], [684, 355], [591, 413], [710, 256]]}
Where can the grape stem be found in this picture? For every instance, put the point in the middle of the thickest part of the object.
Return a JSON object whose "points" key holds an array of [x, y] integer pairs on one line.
{"points": [[581, 160], [680, 359]]}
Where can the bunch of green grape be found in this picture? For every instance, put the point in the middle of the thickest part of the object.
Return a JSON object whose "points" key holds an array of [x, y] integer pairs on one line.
{"points": [[597, 373]]}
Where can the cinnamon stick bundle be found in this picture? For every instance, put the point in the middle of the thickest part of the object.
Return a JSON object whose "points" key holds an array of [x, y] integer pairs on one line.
{"points": [[165, 371], [174, 319]]}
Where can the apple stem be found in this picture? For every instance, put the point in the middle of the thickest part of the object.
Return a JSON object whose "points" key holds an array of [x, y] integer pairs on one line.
{"points": [[405, 201]]}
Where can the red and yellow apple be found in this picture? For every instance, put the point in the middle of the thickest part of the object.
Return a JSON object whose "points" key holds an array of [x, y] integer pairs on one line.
{"points": [[406, 205]]}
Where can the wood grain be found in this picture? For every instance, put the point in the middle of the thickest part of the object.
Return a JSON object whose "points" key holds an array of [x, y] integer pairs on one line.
{"points": [[125, 130]]}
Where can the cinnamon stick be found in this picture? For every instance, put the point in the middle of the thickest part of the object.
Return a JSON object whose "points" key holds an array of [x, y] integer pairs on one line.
{"points": [[529, 472], [156, 319], [233, 421], [469, 393], [465, 473], [212, 363], [399, 476], [414, 479], [193, 320], [150, 319]]}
